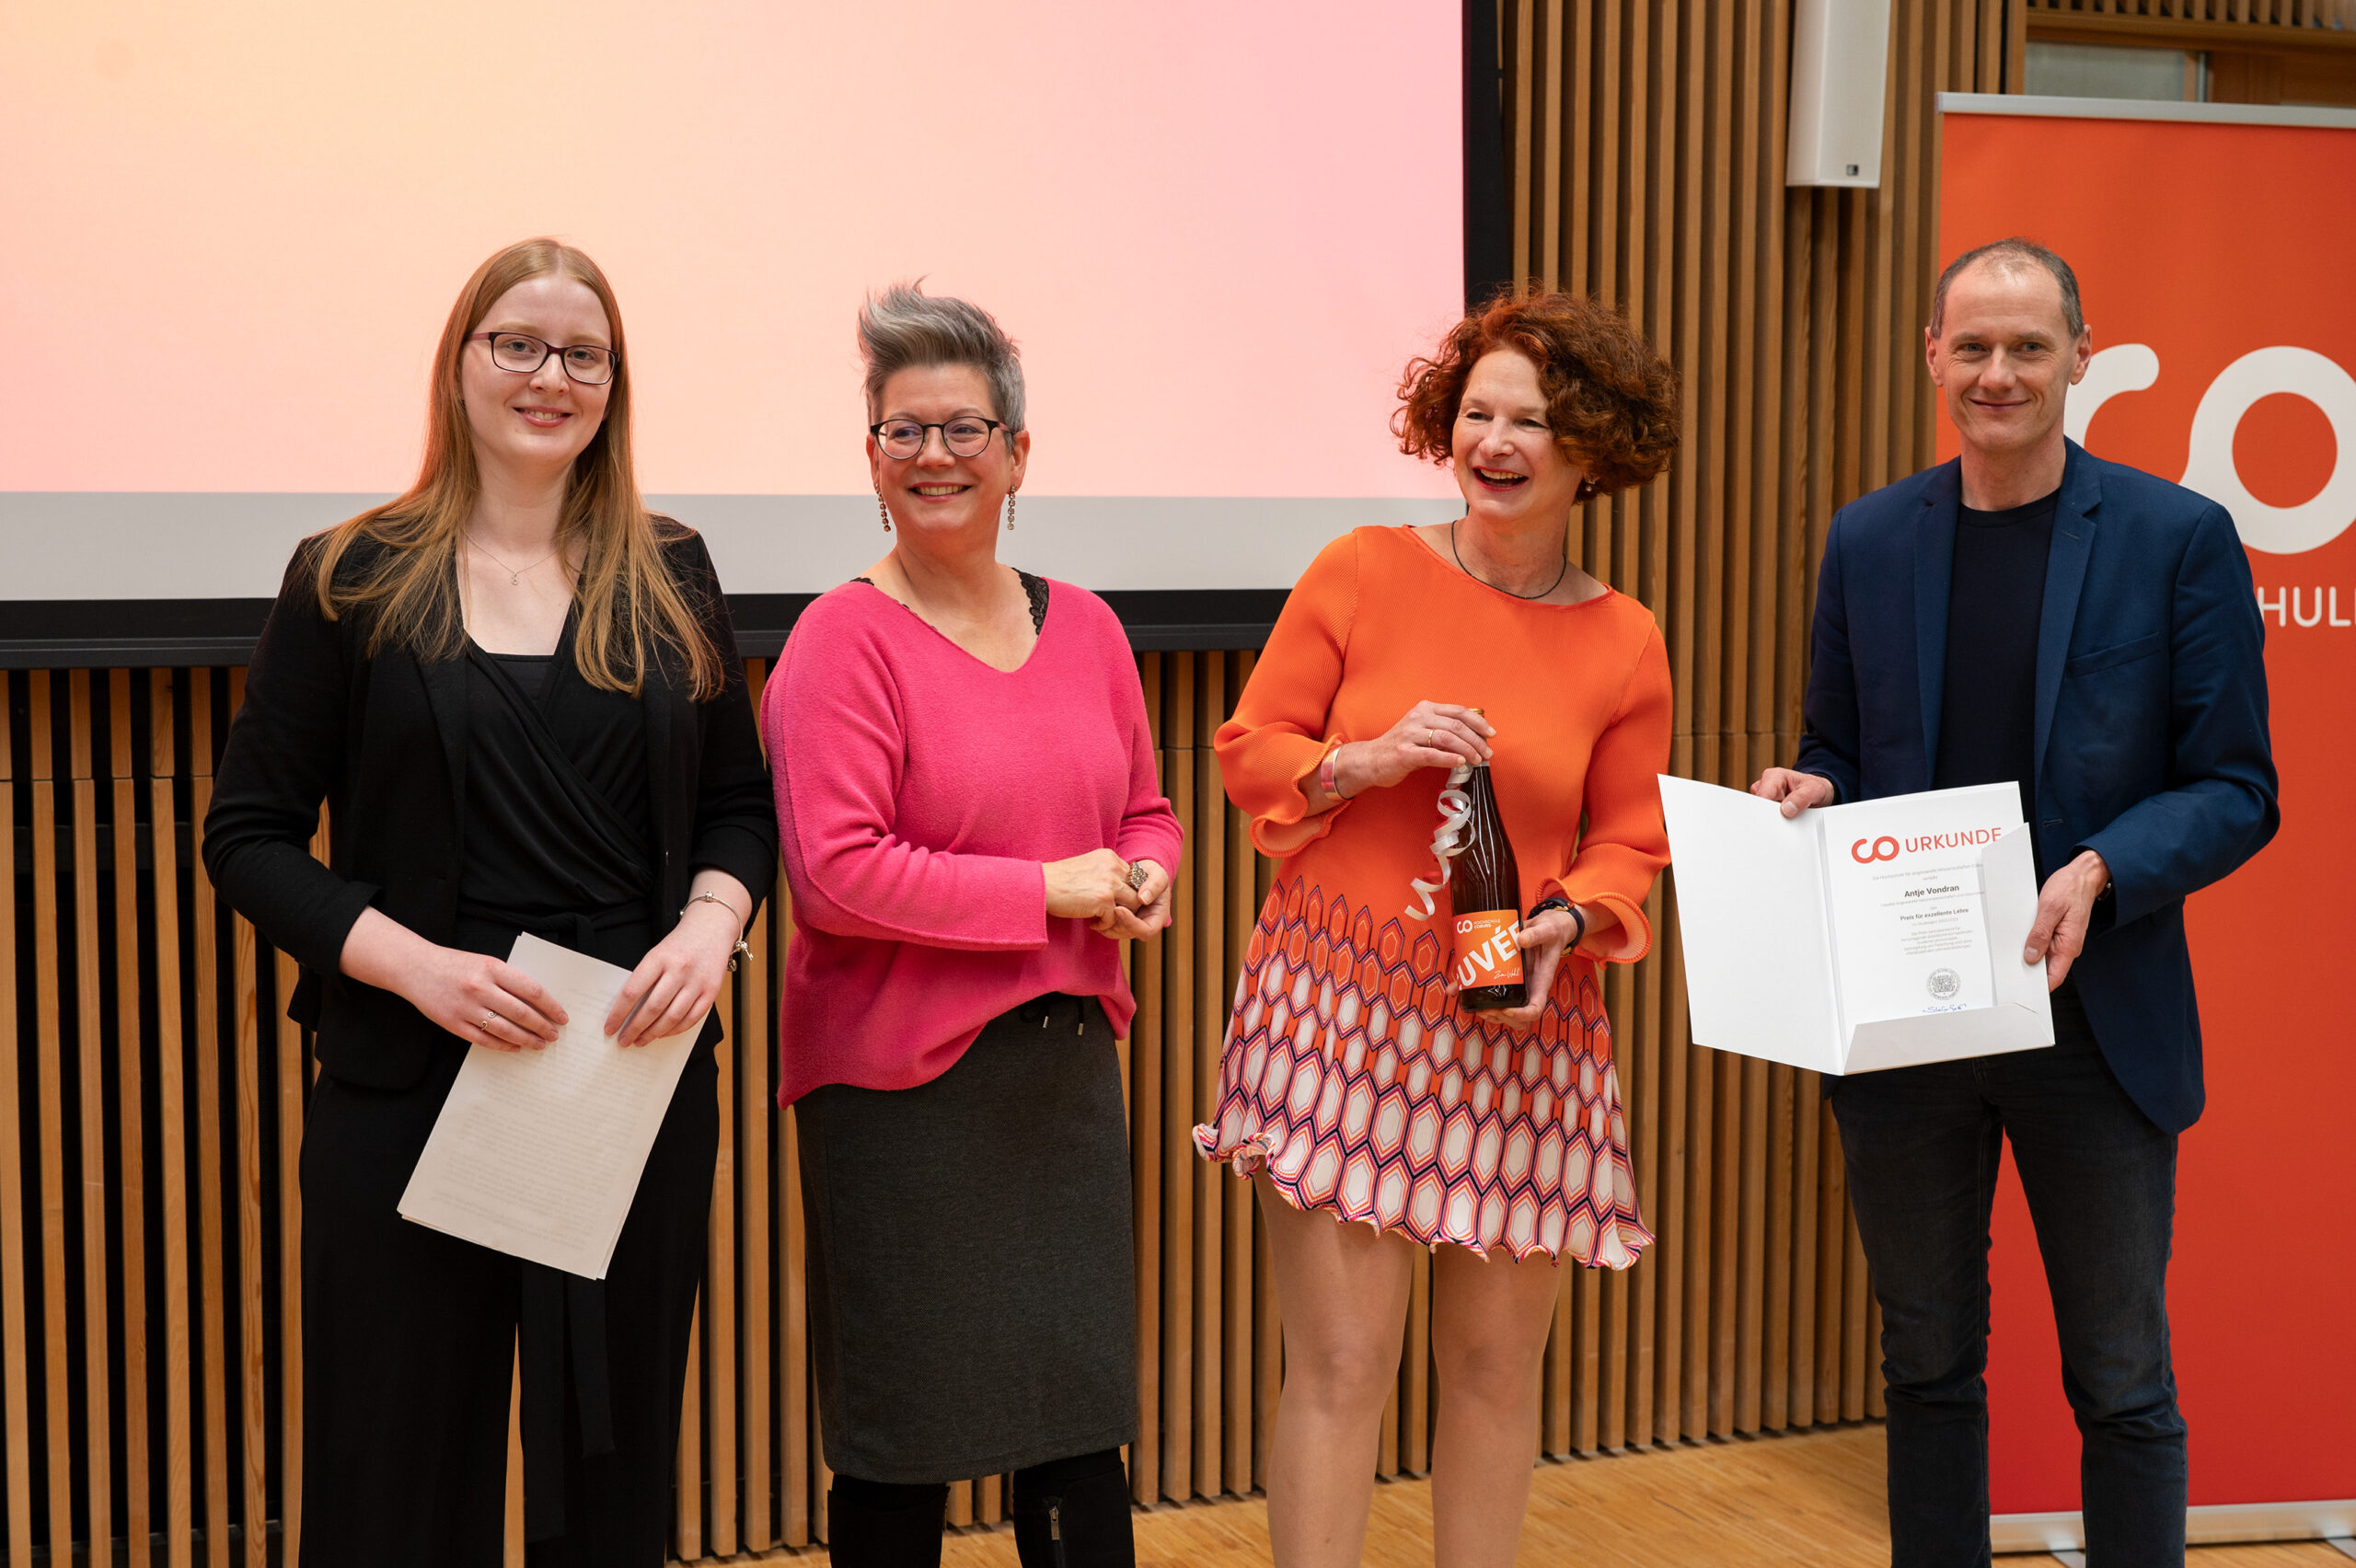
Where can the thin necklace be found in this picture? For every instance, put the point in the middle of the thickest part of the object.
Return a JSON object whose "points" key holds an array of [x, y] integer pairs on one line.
{"points": [[910, 584], [1486, 583], [516, 574]]}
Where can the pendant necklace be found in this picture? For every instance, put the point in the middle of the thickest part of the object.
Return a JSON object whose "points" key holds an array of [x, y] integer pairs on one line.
{"points": [[1486, 583], [516, 574]]}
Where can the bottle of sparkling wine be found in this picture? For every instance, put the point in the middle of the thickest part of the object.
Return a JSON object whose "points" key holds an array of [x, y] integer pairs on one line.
{"points": [[1486, 902]]}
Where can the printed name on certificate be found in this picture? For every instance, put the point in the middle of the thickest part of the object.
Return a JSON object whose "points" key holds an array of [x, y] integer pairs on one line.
{"points": [[1911, 927]]}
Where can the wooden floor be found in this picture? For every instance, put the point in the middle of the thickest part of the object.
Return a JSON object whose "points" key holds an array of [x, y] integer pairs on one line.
{"points": [[1813, 1499]]}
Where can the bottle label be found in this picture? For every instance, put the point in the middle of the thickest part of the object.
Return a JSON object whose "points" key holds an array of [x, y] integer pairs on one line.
{"points": [[1486, 954]]}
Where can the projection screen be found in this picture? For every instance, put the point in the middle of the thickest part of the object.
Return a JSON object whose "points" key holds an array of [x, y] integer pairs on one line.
{"points": [[1219, 232]]}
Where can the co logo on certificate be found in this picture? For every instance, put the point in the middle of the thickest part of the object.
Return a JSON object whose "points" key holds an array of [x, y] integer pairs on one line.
{"points": [[1866, 851]]}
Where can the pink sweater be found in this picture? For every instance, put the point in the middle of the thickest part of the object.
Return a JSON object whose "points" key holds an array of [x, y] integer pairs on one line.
{"points": [[918, 793]]}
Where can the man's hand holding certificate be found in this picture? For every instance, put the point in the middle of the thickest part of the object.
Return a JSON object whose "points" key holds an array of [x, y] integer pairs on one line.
{"points": [[1857, 937]]}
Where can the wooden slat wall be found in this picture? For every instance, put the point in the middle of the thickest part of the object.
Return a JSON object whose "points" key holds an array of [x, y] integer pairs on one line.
{"points": [[2335, 14], [150, 1226], [152, 1094], [1646, 139]]}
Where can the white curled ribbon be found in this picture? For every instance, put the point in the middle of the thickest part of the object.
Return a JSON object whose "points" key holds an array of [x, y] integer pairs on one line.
{"points": [[1455, 808]]}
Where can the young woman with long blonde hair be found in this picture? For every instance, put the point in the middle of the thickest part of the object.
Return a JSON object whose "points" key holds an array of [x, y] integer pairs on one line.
{"points": [[519, 695]]}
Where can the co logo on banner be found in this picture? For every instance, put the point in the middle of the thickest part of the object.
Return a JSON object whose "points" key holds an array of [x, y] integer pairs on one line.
{"points": [[2209, 464], [1866, 851]]}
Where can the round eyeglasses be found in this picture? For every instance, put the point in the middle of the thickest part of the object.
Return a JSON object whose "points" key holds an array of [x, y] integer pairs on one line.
{"points": [[523, 353], [965, 436]]}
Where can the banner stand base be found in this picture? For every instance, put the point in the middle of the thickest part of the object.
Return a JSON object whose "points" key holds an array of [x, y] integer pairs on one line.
{"points": [[2345, 1545], [2218, 1524]]}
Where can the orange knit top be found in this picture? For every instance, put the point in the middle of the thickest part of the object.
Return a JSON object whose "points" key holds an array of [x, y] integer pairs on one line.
{"points": [[1348, 1069], [1578, 694]]}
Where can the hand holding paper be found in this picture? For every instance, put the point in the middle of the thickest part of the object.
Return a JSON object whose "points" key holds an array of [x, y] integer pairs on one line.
{"points": [[1849, 937], [538, 1153], [1793, 791], [677, 981], [2065, 914]]}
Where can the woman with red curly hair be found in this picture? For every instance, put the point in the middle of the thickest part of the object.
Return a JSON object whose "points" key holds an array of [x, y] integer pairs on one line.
{"points": [[1354, 1086]]}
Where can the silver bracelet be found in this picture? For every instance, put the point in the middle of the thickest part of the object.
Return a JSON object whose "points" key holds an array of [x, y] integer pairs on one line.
{"points": [[712, 898], [743, 950]]}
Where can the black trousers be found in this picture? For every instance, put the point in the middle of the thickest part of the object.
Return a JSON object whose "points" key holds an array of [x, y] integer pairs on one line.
{"points": [[1922, 1146], [408, 1347]]}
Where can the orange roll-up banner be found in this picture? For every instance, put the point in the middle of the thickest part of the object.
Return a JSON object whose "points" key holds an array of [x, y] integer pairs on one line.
{"points": [[2215, 259]]}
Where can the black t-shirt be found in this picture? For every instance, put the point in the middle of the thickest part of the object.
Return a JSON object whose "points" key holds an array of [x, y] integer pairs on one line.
{"points": [[1988, 713]]}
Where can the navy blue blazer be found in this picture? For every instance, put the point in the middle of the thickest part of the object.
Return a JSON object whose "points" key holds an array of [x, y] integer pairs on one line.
{"points": [[2152, 746]]}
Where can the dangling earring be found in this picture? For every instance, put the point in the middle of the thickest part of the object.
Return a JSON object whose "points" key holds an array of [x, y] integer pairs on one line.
{"points": [[1009, 511], [884, 510]]}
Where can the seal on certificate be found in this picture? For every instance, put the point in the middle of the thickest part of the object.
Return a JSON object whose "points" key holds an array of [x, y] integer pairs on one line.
{"points": [[1944, 983]]}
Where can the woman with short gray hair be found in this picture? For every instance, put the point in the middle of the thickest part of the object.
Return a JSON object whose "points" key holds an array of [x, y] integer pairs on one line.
{"points": [[971, 820]]}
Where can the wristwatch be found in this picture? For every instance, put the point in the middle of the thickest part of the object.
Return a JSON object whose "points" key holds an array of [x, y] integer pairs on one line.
{"points": [[1568, 907]]}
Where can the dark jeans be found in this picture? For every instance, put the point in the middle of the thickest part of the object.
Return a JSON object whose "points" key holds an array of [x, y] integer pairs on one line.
{"points": [[1922, 1146]]}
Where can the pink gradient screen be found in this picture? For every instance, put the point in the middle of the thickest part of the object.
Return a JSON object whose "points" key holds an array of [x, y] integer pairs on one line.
{"points": [[1218, 230]]}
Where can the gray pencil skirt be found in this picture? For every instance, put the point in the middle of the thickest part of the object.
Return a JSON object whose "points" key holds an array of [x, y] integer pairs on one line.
{"points": [[971, 1271]]}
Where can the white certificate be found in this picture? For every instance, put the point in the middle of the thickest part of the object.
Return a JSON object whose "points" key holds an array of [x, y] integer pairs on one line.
{"points": [[1910, 931], [538, 1153], [1857, 937]]}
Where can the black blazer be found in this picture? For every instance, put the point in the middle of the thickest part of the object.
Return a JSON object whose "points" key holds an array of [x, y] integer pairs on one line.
{"points": [[383, 741]]}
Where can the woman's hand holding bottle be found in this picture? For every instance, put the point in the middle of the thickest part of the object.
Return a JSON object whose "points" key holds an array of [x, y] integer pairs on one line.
{"points": [[1431, 734]]}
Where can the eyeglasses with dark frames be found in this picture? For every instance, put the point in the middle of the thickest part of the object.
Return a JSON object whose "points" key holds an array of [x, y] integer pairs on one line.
{"points": [[965, 436], [523, 353]]}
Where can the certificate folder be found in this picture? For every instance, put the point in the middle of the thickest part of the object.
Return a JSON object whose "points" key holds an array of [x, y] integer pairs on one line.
{"points": [[1856, 938]]}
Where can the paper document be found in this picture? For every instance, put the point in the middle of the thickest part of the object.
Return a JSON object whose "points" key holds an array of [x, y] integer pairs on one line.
{"points": [[1857, 937], [538, 1153], [1911, 932]]}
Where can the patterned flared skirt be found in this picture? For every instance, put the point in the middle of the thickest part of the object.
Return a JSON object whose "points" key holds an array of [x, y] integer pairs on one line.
{"points": [[1352, 1077]]}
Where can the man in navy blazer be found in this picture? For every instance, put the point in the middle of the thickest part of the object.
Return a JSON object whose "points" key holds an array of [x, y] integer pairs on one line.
{"points": [[2030, 613]]}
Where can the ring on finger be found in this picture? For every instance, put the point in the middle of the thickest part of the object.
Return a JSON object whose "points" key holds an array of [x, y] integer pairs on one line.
{"points": [[483, 1022], [1137, 876]]}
